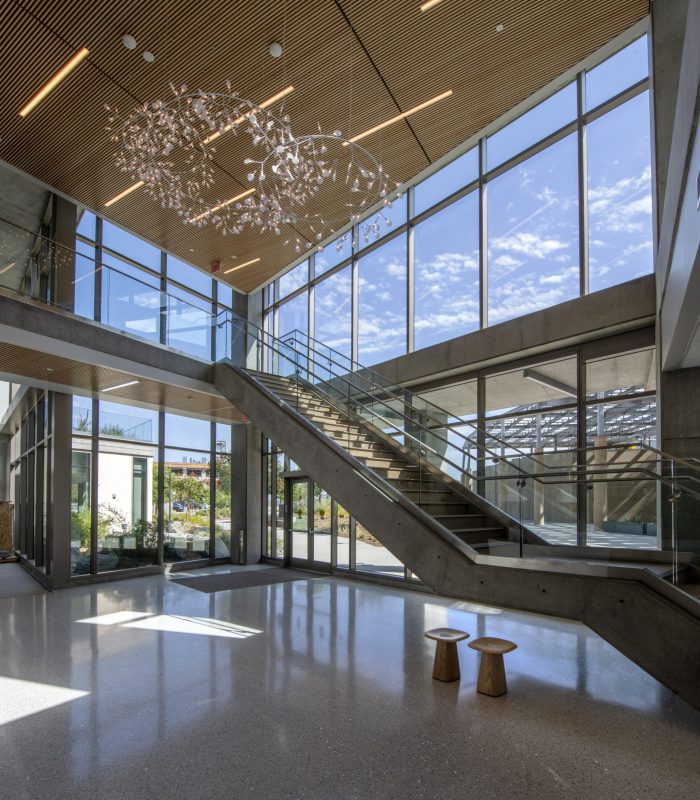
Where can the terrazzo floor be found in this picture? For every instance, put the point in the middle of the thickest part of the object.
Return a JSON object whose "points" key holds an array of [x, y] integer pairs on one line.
{"points": [[319, 688]]}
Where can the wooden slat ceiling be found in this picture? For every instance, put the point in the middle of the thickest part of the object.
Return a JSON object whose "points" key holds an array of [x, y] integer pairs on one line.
{"points": [[398, 57], [43, 369]]}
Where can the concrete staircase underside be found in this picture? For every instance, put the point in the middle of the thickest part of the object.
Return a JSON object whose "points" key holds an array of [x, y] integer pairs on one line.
{"points": [[653, 623]]}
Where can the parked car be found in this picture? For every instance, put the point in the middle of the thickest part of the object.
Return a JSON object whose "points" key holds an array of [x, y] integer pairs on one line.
{"points": [[177, 506]]}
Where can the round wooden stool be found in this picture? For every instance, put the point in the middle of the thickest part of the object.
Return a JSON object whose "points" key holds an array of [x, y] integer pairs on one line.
{"points": [[446, 666], [492, 673]]}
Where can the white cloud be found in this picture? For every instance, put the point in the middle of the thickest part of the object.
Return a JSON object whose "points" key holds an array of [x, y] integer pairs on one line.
{"points": [[529, 244]]}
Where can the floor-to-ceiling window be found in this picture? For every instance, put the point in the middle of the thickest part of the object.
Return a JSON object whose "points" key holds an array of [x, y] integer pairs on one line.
{"points": [[30, 451], [551, 205], [322, 532], [128, 284]]}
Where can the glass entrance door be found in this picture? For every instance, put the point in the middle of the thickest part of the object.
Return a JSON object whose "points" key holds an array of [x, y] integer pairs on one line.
{"points": [[308, 524]]}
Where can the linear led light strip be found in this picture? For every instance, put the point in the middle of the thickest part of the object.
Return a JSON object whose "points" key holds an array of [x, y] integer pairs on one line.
{"points": [[401, 116], [7, 268], [127, 191], [208, 140], [223, 205], [119, 386], [265, 104], [240, 266], [430, 4], [53, 83]]}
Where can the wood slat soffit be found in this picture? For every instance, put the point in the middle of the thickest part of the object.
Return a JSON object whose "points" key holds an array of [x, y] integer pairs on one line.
{"points": [[397, 56]]}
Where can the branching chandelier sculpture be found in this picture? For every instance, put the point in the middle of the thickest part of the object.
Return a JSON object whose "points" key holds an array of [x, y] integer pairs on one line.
{"points": [[169, 145]]}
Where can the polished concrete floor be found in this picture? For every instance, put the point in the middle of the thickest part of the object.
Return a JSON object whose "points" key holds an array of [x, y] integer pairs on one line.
{"points": [[319, 688], [16, 581]]}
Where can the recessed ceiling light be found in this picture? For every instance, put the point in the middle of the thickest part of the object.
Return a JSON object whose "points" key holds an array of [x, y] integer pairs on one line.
{"points": [[223, 205], [53, 83], [240, 266], [264, 104], [500, 28], [129, 42], [275, 49], [401, 116], [429, 4], [123, 194], [119, 386], [148, 56]]}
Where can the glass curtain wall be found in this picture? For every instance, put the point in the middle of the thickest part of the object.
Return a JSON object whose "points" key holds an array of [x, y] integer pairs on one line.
{"points": [[130, 285], [30, 453], [119, 463], [565, 419], [553, 205], [336, 538]]}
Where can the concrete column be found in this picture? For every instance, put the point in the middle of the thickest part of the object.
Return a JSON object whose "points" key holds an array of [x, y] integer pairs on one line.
{"points": [[59, 519], [538, 492], [679, 426], [600, 489], [63, 233], [247, 495], [668, 22], [4, 467]]}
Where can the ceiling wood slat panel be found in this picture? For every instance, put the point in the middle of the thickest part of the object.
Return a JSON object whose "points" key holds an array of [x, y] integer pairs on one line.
{"points": [[454, 46], [39, 369]]}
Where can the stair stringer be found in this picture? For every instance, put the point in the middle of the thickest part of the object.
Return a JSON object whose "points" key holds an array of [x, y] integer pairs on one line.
{"points": [[649, 621]]}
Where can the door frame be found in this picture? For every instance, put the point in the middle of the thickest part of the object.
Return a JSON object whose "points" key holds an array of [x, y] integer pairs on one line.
{"points": [[289, 559]]}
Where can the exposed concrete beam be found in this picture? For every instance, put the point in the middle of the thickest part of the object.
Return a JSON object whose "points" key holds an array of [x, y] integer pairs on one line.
{"points": [[59, 333]]}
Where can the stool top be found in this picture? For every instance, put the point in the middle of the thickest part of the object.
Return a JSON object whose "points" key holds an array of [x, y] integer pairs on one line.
{"points": [[446, 635], [493, 646]]}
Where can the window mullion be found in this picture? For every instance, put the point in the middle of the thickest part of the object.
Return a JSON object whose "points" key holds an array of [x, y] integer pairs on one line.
{"points": [[582, 186]]}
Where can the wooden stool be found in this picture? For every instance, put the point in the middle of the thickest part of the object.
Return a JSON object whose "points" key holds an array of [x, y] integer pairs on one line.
{"points": [[492, 673], [446, 666]]}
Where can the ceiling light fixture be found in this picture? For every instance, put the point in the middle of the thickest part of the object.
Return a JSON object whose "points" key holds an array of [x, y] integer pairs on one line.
{"points": [[7, 268], [148, 56], [53, 83], [265, 104], [240, 266], [401, 116], [430, 4], [240, 196], [287, 173], [500, 28], [129, 42], [119, 386], [123, 194]]}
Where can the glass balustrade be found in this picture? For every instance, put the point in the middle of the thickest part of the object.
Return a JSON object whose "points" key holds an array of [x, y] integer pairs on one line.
{"points": [[112, 292], [602, 503]]}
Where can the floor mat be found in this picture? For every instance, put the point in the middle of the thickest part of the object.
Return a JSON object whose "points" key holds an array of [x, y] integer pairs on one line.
{"points": [[226, 581]]}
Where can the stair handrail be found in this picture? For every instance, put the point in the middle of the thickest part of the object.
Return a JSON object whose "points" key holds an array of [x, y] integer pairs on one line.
{"points": [[571, 474], [390, 390]]}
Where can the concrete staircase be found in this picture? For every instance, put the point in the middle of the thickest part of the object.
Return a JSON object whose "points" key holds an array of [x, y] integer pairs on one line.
{"points": [[449, 536], [447, 505]]}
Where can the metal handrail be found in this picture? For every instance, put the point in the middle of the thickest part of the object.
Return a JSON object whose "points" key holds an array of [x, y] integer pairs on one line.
{"points": [[572, 474], [390, 389]]}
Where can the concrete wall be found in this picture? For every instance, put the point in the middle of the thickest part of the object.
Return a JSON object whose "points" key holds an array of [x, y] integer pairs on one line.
{"points": [[668, 19], [677, 103]]}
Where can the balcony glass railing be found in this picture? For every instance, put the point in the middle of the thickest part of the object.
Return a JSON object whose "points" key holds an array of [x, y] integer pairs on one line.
{"points": [[110, 291], [601, 503]]}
